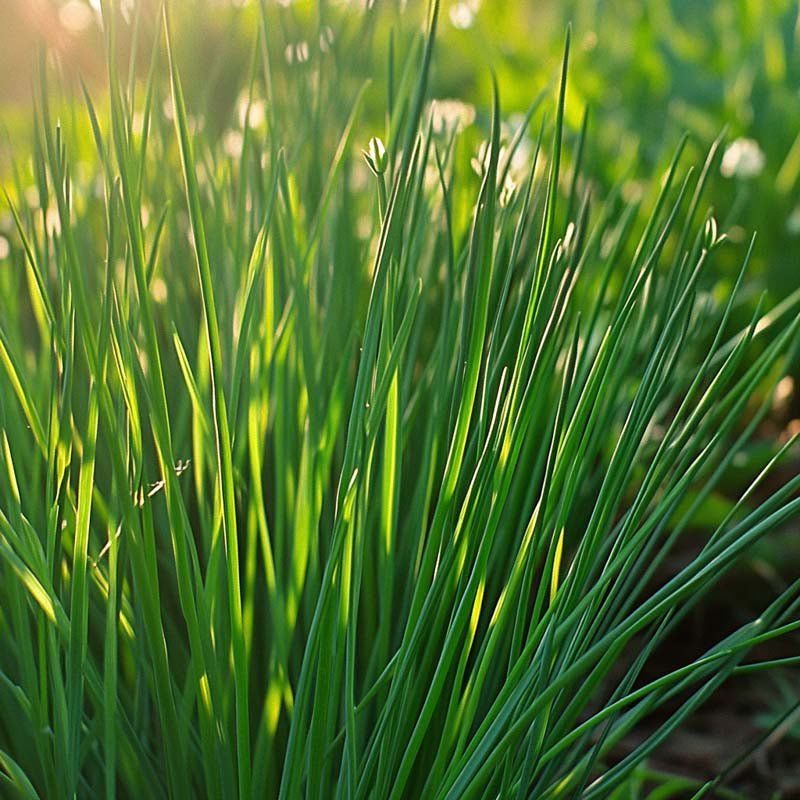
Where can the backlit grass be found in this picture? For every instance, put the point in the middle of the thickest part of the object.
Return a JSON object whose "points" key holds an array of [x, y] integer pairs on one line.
{"points": [[330, 474]]}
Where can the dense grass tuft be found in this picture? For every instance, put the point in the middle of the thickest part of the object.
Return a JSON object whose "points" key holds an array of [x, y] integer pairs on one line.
{"points": [[338, 476]]}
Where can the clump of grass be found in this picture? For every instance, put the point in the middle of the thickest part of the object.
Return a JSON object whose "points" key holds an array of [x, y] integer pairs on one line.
{"points": [[293, 510]]}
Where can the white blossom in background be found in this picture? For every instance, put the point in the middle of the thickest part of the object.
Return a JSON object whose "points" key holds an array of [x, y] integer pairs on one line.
{"points": [[480, 161], [450, 115], [519, 159], [463, 13], [75, 16], [5, 248], [255, 113], [508, 191], [431, 179], [296, 53], [52, 221], [743, 158], [326, 38], [158, 290], [232, 143]]}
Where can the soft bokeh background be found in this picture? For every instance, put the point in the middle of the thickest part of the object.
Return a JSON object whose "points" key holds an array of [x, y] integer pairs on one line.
{"points": [[648, 70]]}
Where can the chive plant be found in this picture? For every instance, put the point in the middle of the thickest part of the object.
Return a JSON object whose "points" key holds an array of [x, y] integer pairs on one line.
{"points": [[316, 488]]}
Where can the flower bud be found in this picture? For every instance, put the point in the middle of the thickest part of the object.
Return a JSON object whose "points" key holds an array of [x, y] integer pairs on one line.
{"points": [[375, 156]]}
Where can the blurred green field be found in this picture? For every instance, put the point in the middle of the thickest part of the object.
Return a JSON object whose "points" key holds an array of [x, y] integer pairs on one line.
{"points": [[646, 71]]}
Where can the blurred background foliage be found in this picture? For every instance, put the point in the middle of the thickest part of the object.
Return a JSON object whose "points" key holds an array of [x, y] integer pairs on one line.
{"points": [[643, 72], [647, 70]]}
